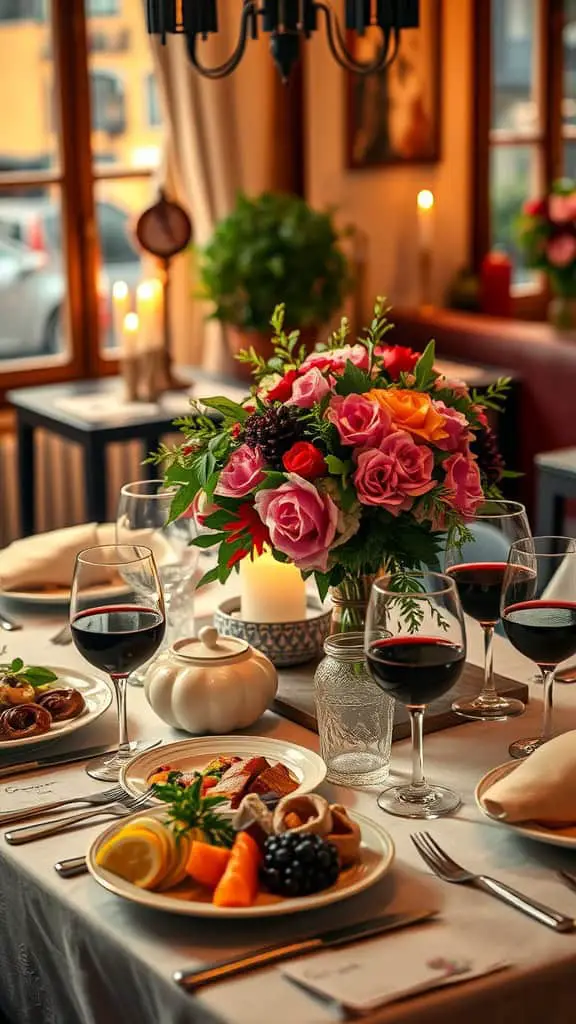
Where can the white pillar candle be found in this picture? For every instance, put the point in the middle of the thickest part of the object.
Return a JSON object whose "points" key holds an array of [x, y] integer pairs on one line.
{"points": [[120, 308], [425, 201], [150, 309], [271, 591], [130, 328]]}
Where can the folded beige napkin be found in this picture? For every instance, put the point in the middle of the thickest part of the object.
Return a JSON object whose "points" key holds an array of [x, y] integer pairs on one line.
{"points": [[47, 560], [542, 788]]}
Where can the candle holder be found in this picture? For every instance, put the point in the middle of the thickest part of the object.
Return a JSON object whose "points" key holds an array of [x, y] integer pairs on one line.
{"points": [[284, 643], [425, 278]]}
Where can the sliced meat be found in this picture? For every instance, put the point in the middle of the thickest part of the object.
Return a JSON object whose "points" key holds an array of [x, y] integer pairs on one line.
{"points": [[235, 782], [275, 780]]}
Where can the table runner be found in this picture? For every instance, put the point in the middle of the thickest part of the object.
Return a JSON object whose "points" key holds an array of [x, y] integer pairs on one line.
{"points": [[73, 954]]}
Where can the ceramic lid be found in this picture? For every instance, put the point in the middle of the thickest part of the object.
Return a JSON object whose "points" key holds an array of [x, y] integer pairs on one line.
{"points": [[210, 646]]}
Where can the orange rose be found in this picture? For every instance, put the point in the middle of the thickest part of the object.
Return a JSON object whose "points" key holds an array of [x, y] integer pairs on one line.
{"points": [[412, 411]]}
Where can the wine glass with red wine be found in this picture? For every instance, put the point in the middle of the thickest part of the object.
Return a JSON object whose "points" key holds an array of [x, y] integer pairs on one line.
{"points": [[117, 638], [539, 614], [415, 644], [478, 568]]}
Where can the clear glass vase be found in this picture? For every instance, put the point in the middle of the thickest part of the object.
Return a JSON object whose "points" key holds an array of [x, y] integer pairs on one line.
{"points": [[350, 604], [562, 313], [355, 717]]}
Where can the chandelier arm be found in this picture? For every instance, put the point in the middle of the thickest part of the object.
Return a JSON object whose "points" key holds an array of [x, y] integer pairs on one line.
{"points": [[221, 70], [343, 56]]}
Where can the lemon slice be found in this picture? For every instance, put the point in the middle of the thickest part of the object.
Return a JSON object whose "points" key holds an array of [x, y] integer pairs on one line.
{"points": [[164, 834], [138, 857], [177, 873]]}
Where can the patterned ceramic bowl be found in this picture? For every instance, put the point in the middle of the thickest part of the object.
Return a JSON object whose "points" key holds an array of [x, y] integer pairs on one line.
{"points": [[285, 643]]}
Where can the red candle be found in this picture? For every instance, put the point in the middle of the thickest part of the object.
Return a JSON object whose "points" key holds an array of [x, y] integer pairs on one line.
{"points": [[495, 281]]}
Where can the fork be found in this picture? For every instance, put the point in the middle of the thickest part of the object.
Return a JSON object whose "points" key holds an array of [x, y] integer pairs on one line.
{"points": [[8, 624], [447, 869], [109, 796], [29, 833], [63, 637], [569, 877]]}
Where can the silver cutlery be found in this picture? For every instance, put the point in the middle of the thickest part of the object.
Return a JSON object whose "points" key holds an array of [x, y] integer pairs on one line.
{"points": [[65, 759], [109, 796], [569, 877], [63, 637], [447, 869], [71, 867], [197, 977], [29, 833], [8, 624]]}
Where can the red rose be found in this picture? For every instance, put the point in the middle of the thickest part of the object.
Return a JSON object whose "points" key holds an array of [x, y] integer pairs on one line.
{"points": [[535, 208], [397, 359], [283, 390], [306, 460]]}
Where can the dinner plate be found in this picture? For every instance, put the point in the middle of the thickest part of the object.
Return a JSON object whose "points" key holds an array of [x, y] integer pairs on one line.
{"points": [[194, 754], [97, 695], [61, 595], [529, 830], [376, 857]]}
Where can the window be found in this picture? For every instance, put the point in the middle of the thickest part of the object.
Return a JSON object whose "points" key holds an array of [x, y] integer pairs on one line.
{"points": [[526, 116], [153, 112], [98, 8], [21, 10], [108, 103]]}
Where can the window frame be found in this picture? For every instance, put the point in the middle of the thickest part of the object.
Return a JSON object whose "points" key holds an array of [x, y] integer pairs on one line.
{"points": [[529, 301], [152, 92]]}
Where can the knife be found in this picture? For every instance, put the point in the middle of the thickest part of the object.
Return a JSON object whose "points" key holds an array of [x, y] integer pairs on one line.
{"points": [[197, 977], [63, 759]]}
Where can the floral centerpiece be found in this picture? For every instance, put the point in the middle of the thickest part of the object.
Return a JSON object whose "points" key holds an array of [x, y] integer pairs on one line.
{"points": [[356, 456], [547, 235]]}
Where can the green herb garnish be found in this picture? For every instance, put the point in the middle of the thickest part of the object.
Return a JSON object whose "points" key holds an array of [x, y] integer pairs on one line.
{"points": [[189, 810], [34, 675]]}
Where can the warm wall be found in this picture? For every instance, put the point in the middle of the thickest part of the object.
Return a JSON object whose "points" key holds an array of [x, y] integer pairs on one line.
{"points": [[382, 202]]}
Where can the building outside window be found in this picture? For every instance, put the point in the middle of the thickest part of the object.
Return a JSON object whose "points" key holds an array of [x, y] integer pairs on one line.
{"points": [[153, 110]]}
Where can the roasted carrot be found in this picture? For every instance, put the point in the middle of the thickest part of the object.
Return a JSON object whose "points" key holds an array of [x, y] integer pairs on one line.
{"points": [[238, 886], [206, 864]]}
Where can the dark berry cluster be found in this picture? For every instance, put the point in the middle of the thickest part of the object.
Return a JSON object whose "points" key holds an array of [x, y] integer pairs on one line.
{"points": [[490, 461], [274, 432], [299, 865]]}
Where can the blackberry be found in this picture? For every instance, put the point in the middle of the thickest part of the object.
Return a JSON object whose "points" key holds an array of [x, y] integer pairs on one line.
{"points": [[490, 461], [274, 432], [299, 865]]}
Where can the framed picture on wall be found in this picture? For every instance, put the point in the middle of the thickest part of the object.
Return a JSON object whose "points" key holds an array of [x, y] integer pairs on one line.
{"points": [[393, 117]]}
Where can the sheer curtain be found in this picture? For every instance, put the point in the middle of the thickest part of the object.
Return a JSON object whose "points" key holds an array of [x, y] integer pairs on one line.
{"points": [[222, 137]]}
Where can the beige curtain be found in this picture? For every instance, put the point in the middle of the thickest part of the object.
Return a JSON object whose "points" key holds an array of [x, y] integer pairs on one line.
{"points": [[220, 139]]}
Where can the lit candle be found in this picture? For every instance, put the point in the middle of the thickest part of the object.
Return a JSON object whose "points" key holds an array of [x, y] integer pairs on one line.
{"points": [[150, 309], [120, 308], [425, 202], [130, 329], [271, 591]]}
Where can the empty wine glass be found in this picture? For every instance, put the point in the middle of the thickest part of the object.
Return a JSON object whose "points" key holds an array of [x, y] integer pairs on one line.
{"points": [[478, 567], [117, 638], [415, 645], [539, 614]]}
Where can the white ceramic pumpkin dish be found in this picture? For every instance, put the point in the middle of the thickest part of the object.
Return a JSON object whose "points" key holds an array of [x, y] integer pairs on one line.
{"points": [[194, 754], [376, 857], [210, 684]]}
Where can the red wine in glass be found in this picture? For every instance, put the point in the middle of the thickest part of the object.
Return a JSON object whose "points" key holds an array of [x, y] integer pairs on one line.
{"points": [[119, 638], [415, 670], [544, 631], [480, 588]]}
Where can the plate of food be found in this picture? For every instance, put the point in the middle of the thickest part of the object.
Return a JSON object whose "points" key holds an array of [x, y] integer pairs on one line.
{"points": [[557, 834], [196, 857], [52, 594], [230, 766], [38, 704]]}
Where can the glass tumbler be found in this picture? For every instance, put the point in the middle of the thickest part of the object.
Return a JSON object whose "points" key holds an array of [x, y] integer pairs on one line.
{"points": [[355, 717]]}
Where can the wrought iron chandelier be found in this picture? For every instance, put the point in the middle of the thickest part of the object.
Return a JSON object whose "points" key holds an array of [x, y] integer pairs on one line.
{"points": [[287, 22]]}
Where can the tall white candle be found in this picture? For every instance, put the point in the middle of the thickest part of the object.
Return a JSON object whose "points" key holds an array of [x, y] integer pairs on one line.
{"points": [[120, 308], [425, 201], [130, 329], [150, 309], [271, 591]]}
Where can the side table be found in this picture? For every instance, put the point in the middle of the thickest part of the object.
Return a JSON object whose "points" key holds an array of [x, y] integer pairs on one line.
{"points": [[556, 483], [58, 409]]}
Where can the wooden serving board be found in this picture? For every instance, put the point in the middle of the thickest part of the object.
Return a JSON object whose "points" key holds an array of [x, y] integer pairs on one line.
{"points": [[295, 699]]}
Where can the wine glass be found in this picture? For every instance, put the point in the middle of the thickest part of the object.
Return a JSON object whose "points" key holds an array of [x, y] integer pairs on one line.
{"points": [[117, 638], [143, 517], [415, 645], [539, 614], [478, 567]]}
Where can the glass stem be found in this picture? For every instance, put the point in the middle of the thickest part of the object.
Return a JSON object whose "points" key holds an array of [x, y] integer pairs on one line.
{"points": [[418, 783], [548, 680], [489, 689], [120, 689]]}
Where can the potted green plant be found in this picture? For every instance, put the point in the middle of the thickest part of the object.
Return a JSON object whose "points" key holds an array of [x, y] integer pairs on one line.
{"points": [[269, 244]]}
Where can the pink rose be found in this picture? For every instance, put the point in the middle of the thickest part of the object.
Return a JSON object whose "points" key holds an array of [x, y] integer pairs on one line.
{"points": [[394, 474], [561, 250], [359, 422], [336, 358], [458, 387], [302, 521], [242, 473], [463, 484], [457, 426], [562, 209], [309, 389]]}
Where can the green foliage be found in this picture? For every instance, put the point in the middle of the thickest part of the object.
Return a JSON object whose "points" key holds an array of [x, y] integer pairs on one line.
{"points": [[188, 810], [229, 409], [271, 245], [353, 381], [424, 370], [35, 675]]}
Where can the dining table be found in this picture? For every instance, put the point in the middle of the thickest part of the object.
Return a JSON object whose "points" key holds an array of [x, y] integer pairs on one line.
{"points": [[73, 953]]}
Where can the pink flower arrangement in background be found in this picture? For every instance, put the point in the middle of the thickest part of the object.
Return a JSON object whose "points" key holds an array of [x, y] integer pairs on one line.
{"points": [[547, 236]]}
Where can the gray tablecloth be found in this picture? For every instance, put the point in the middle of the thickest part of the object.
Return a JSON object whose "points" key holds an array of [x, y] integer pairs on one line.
{"points": [[70, 953]]}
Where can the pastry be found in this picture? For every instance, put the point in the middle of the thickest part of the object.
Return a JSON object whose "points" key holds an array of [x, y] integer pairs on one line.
{"points": [[306, 814], [254, 817], [26, 720], [345, 835], [14, 691], [62, 704]]}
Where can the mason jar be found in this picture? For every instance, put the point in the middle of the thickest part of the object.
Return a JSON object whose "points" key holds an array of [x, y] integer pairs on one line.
{"points": [[355, 717]]}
